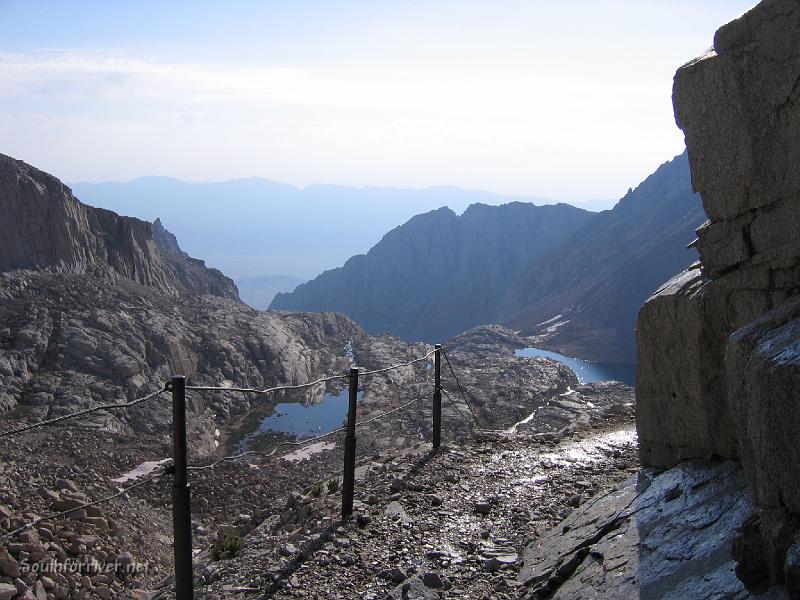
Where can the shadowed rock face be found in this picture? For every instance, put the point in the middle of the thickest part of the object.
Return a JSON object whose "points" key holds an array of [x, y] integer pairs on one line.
{"points": [[439, 274], [719, 365], [593, 284], [45, 227]]}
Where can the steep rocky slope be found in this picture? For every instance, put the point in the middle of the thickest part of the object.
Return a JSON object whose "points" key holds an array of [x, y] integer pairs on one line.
{"points": [[45, 227], [719, 345], [439, 274], [582, 297]]}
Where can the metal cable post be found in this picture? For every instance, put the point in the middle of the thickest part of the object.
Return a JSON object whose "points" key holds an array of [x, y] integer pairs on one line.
{"points": [[437, 396], [349, 475], [181, 506]]}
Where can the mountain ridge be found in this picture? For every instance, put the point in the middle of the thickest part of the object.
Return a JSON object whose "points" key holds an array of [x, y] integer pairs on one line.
{"points": [[599, 272], [46, 227], [438, 270], [263, 228]]}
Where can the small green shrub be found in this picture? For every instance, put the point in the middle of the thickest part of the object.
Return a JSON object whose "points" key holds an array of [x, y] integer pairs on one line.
{"points": [[316, 489], [226, 547], [333, 486]]}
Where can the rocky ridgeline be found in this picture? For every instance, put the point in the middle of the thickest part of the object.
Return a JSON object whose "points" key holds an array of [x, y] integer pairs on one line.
{"points": [[45, 227], [98, 307], [439, 273], [719, 345]]}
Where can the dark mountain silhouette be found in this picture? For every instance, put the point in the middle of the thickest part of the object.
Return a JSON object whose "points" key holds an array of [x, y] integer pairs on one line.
{"points": [[596, 281], [439, 274]]}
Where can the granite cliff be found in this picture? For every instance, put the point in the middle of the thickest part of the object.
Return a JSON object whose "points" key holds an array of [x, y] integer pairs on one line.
{"points": [[719, 344], [95, 307], [45, 227], [439, 274]]}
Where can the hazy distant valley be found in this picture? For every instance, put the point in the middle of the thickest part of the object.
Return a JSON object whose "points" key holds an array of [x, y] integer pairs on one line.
{"points": [[271, 236], [572, 278]]}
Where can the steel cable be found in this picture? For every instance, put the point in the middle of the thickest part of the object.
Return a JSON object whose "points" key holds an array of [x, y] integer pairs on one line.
{"points": [[86, 411]]}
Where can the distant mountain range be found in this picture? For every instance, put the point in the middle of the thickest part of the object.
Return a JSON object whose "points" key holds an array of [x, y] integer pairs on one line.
{"points": [[574, 279], [255, 227]]}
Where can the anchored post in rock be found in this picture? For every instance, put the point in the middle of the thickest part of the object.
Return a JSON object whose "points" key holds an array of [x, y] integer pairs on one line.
{"points": [[181, 507], [349, 475], [437, 396]]}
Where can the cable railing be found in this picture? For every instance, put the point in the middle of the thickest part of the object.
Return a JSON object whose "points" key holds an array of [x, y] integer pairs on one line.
{"points": [[80, 413], [180, 469]]}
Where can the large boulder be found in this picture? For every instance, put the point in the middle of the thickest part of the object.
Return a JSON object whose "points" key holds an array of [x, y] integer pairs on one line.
{"points": [[719, 345], [681, 401]]}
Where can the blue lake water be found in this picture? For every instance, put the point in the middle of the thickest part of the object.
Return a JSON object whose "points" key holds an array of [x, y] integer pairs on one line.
{"points": [[585, 370], [307, 421]]}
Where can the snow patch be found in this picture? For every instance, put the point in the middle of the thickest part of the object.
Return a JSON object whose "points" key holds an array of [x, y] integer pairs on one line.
{"points": [[142, 470], [556, 318], [308, 451]]}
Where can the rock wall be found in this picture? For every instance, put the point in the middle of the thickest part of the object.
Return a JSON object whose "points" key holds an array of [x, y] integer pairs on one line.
{"points": [[719, 345], [45, 227]]}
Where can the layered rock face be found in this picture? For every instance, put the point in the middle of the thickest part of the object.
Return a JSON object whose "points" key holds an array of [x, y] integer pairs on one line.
{"points": [[45, 227], [719, 345]]}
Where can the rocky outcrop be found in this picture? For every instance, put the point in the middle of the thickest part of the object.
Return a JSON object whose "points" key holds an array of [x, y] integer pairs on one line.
{"points": [[191, 274], [662, 536], [45, 227], [68, 341], [439, 274], [718, 345]]}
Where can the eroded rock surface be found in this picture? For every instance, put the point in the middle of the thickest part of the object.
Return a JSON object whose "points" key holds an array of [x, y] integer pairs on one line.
{"points": [[718, 345], [656, 537], [67, 341], [45, 227]]}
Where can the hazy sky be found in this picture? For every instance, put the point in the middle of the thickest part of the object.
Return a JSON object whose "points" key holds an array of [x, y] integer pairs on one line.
{"points": [[567, 99]]}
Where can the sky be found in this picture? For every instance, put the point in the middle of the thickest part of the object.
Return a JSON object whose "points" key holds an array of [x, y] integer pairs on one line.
{"points": [[567, 99]]}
